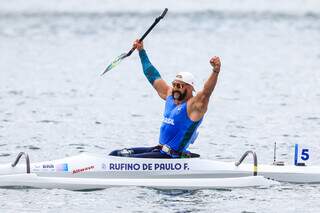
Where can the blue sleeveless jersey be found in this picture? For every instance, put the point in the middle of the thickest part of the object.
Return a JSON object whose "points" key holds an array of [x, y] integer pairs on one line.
{"points": [[177, 130]]}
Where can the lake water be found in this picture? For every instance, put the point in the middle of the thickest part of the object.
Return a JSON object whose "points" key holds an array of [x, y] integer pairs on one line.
{"points": [[54, 103]]}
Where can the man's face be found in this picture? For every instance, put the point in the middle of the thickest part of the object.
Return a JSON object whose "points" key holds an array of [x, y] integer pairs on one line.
{"points": [[179, 90]]}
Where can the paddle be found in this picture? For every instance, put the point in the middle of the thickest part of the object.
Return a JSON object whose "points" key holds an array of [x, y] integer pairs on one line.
{"points": [[117, 60]]}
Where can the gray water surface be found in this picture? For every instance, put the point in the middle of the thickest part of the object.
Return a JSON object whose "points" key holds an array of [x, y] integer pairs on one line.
{"points": [[54, 103]]}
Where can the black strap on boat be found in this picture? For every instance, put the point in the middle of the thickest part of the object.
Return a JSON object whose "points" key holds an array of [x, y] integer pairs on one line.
{"points": [[255, 161], [18, 159]]}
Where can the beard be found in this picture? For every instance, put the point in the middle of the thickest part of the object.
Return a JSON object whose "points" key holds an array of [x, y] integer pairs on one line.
{"points": [[179, 96]]}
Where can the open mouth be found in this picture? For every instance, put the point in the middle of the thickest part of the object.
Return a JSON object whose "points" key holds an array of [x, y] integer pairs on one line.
{"points": [[177, 95]]}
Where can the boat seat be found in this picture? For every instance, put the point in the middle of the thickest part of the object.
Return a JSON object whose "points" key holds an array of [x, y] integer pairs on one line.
{"points": [[131, 151], [194, 155]]}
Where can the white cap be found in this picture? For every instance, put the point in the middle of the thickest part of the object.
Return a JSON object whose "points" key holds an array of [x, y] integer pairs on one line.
{"points": [[186, 77]]}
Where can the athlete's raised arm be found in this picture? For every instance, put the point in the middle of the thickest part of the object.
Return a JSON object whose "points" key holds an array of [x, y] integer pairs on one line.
{"points": [[152, 74], [197, 106]]}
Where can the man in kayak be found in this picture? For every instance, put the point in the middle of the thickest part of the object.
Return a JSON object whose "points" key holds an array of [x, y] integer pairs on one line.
{"points": [[183, 112]]}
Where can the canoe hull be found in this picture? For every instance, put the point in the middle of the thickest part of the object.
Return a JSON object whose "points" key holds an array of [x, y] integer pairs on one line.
{"points": [[87, 171]]}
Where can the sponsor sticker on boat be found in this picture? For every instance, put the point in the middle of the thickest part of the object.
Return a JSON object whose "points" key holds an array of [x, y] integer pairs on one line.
{"points": [[36, 168], [82, 169], [47, 167], [62, 167]]}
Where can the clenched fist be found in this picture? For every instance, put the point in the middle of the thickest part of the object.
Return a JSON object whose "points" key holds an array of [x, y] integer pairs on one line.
{"points": [[138, 44], [215, 63]]}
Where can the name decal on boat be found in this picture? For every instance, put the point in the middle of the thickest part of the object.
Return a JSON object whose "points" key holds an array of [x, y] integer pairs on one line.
{"points": [[148, 166]]}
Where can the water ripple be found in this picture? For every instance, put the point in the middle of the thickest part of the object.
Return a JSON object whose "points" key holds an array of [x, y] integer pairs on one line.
{"points": [[32, 147], [150, 15], [49, 121]]}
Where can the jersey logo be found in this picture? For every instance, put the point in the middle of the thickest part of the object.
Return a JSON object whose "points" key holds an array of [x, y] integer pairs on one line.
{"points": [[168, 121]]}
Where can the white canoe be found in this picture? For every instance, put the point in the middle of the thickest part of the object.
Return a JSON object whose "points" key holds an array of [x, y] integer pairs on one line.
{"points": [[89, 171]]}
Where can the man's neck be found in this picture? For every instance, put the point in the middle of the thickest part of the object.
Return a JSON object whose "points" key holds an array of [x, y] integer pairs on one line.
{"points": [[177, 102]]}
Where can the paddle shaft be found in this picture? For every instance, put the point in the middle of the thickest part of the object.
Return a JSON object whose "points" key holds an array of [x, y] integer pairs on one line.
{"points": [[149, 30], [124, 55]]}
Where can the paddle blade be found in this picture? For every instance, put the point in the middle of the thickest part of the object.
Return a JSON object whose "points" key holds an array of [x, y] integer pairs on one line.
{"points": [[115, 62]]}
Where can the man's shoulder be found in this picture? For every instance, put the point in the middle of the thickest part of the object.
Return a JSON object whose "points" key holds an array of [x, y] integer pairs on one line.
{"points": [[197, 106]]}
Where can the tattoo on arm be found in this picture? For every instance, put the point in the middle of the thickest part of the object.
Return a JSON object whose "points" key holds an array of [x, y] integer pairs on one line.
{"points": [[153, 75], [149, 70]]}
